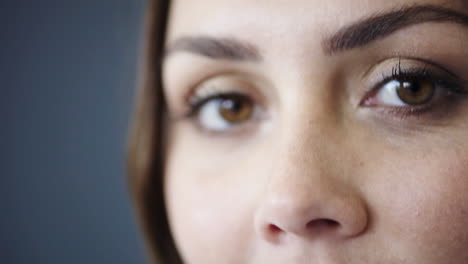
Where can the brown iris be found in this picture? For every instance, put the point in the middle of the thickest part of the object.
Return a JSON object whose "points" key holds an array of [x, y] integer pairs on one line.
{"points": [[235, 108], [415, 92]]}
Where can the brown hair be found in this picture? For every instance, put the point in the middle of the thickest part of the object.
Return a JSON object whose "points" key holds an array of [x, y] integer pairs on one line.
{"points": [[145, 154]]}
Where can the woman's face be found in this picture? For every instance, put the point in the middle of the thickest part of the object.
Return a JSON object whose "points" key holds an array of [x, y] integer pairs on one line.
{"points": [[318, 131]]}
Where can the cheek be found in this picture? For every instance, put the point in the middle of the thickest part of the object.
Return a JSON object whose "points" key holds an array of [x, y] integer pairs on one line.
{"points": [[210, 208], [424, 203]]}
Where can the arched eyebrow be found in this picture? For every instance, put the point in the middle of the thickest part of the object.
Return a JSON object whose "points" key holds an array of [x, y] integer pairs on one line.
{"points": [[353, 36], [382, 25]]}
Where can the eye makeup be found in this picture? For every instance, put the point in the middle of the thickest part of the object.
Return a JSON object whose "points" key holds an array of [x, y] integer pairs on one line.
{"points": [[447, 89]]}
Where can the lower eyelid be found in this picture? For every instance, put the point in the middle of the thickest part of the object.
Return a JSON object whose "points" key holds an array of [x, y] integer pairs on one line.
{"points": [[442, 112]]}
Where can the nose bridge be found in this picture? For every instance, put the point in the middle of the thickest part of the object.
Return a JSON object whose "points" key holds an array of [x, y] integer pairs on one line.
{"points": [[301, 174], [305, 148], [296, 166]]}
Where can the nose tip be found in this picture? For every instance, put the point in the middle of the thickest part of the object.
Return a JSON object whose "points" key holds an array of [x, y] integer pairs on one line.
{"points": [[340, 218]]}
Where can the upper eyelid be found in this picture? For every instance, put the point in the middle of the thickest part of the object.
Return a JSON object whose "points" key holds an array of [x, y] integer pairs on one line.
{"points": [[229, 81], [413, 73], [409, 66], [196, 103], [182, 75], [450, 82], [428, 62], [435, 75]]}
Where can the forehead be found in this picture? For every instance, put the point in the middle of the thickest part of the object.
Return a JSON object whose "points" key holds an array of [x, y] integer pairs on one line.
{"points": [[262, 20]]}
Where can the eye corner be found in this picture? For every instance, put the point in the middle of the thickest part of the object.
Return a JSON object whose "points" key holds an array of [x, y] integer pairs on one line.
{"points": [[369, 100]]}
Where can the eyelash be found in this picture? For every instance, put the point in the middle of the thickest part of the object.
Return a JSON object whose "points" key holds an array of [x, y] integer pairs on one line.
{"points": [[196, 102], [451, 87]]}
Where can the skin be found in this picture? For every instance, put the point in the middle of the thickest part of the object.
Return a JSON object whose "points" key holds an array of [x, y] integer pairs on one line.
{"points": [[318, 177]]}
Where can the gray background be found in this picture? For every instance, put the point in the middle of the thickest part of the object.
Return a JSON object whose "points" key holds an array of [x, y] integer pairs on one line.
{"points": [[67, 73]]}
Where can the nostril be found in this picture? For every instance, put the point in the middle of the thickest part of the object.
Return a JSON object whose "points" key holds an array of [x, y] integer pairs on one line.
{"points": [[274, 229], [322, 223]]}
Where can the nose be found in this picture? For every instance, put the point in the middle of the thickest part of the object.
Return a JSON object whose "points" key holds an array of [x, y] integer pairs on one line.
{"points": [[304, 200]]}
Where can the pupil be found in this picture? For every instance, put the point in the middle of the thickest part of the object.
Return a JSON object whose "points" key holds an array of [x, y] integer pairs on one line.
{"points": [[232, 105], [415, 92], [412, 87]]}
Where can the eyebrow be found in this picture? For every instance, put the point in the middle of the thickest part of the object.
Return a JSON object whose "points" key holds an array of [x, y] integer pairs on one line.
{"points": [[216, 48], [353, 36], [381, 25]]}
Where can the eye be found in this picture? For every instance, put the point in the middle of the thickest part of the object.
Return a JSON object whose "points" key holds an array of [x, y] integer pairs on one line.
{"points": [[406, 92], [414, 90], [221, 112]]}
